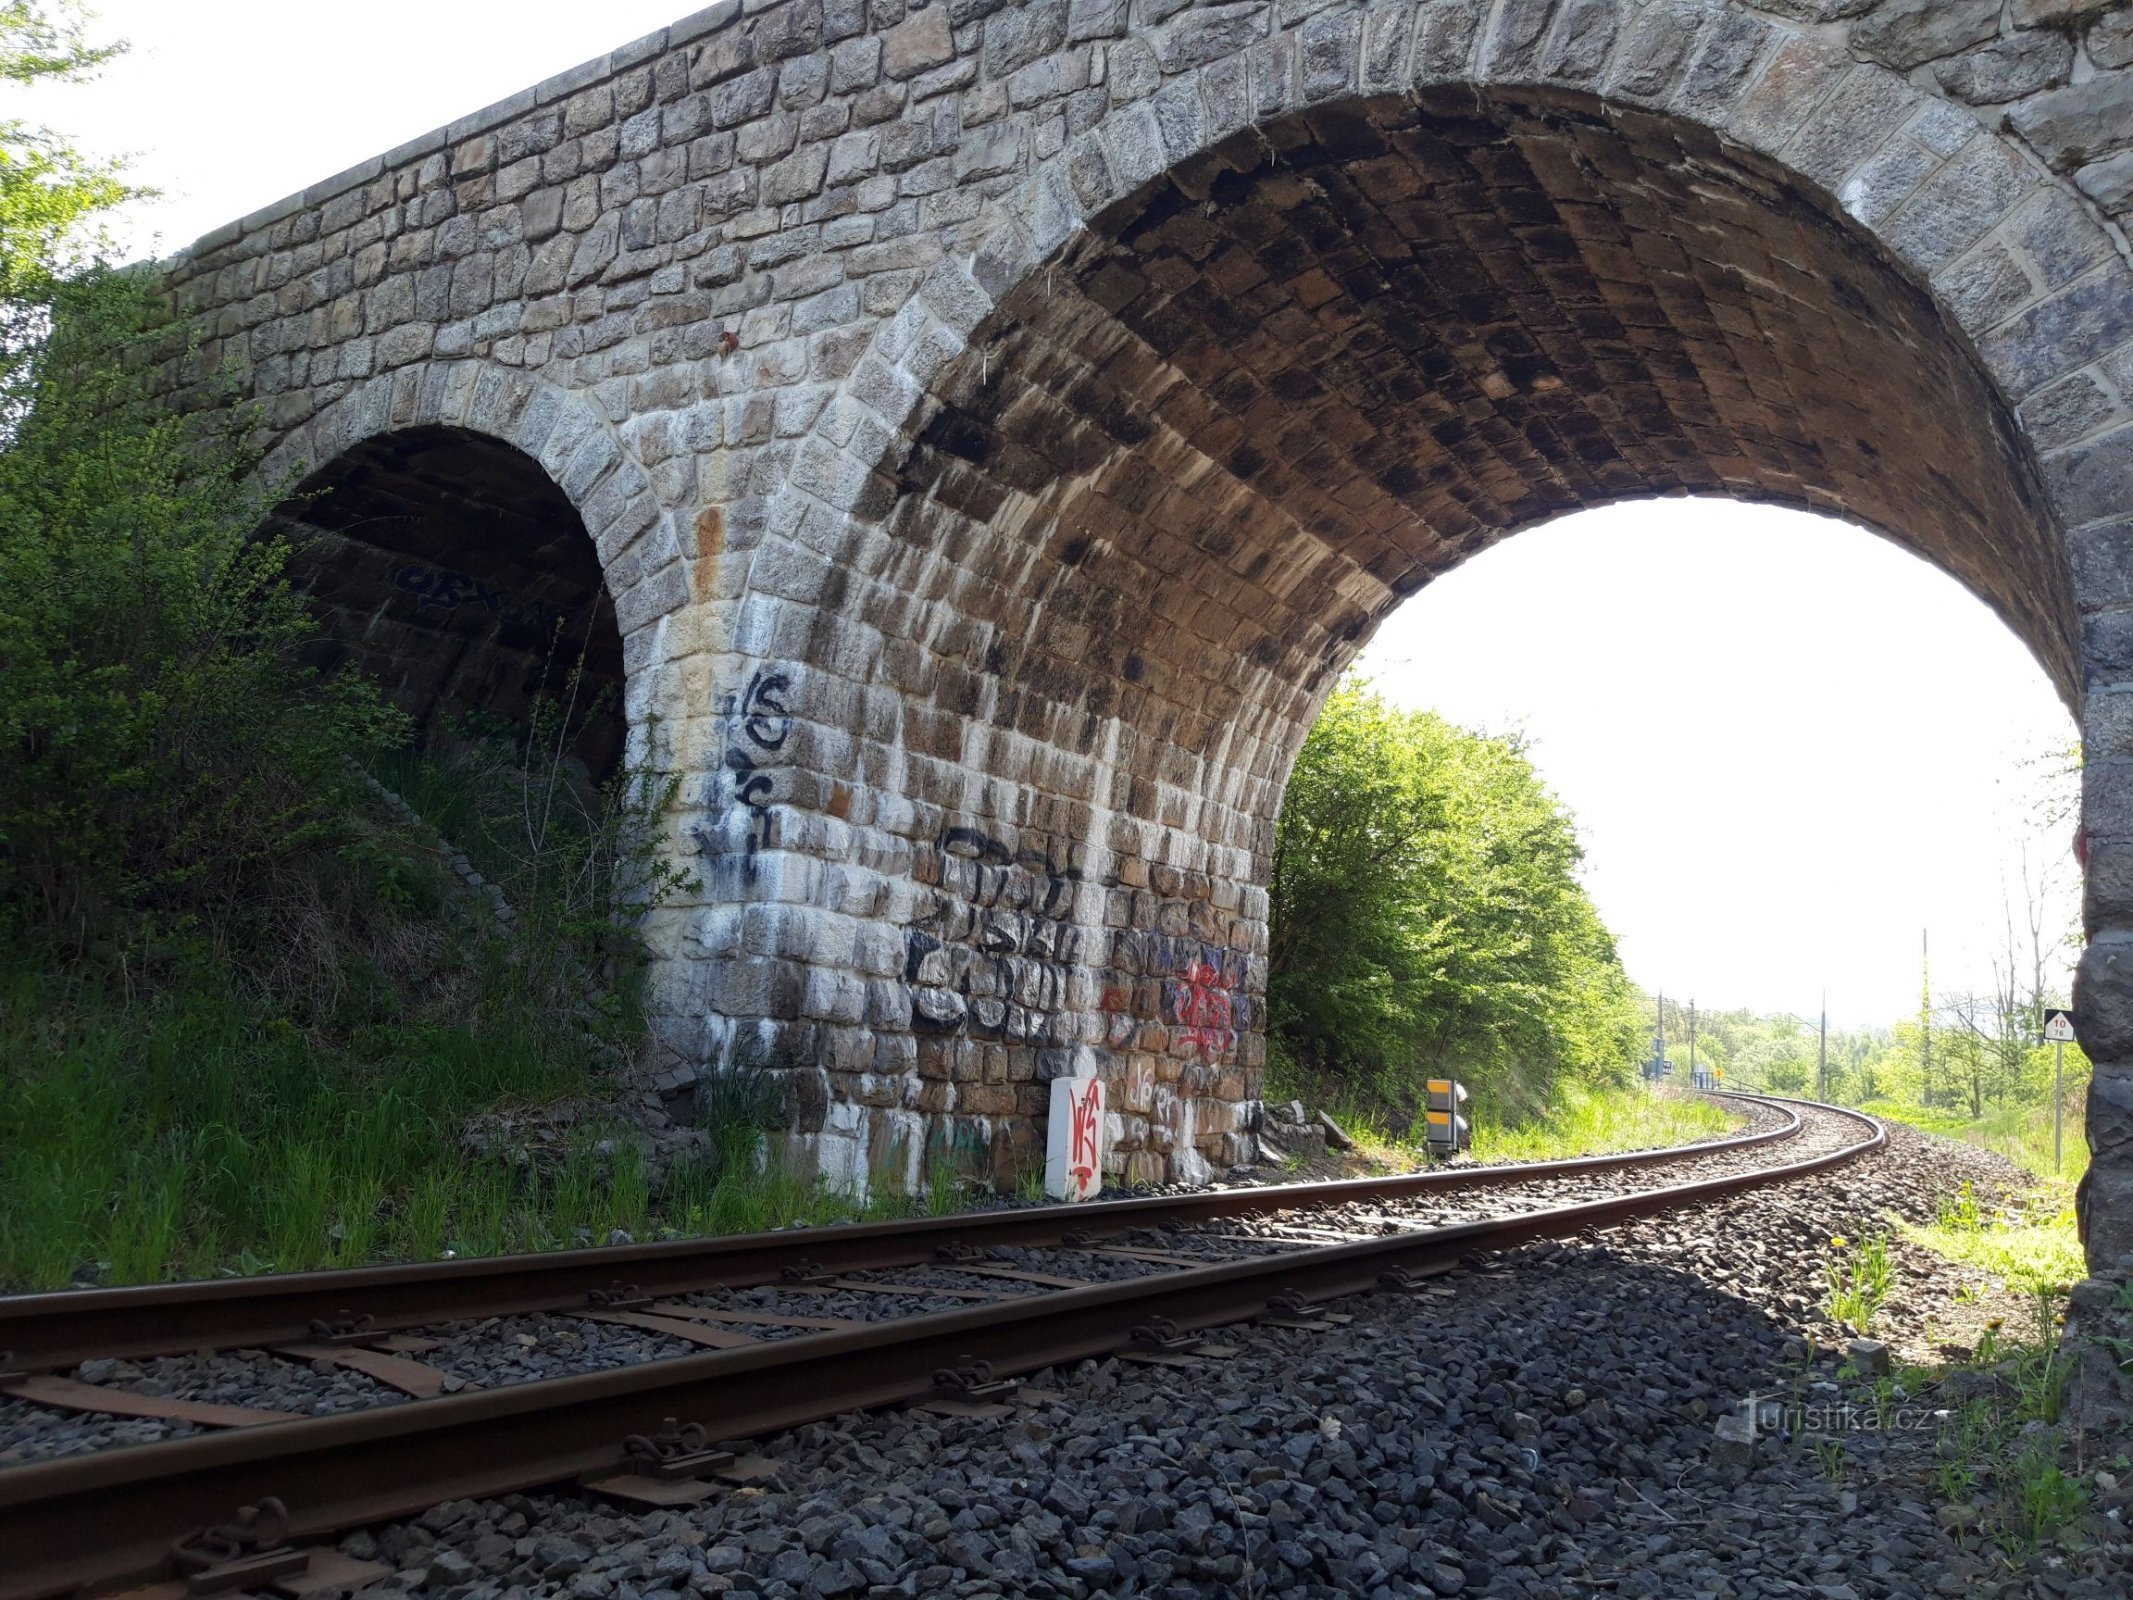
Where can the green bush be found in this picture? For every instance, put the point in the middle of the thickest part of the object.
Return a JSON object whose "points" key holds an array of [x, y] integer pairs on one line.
{"points": [[137, 616], [250, 1014], [1428, 918]]}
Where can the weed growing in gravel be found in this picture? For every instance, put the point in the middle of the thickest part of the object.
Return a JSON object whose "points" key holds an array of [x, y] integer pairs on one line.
{"points": [[2045, 1499], [1030, 1186], [1829, 1457], [2026, 1255], [1859, 1282], [2000, 1450]]}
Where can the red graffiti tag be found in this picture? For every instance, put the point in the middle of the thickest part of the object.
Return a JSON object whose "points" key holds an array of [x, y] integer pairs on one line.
{"points": [[1082, 1152], [1204, 1009]]}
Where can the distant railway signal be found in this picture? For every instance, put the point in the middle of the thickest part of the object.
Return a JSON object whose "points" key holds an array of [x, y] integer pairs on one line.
{"points": [[1445, 1131]]}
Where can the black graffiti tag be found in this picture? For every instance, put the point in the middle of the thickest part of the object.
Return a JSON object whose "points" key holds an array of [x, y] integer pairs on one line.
{"points": [[435, 588], [765, 724]]}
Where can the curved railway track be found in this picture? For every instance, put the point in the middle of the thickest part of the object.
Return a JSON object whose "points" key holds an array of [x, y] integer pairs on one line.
{"points": [[800, 1325]]}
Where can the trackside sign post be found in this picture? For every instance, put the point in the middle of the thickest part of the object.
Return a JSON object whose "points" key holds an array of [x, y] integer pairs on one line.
{"points": [[1074, 1143], [2059, 1028]]}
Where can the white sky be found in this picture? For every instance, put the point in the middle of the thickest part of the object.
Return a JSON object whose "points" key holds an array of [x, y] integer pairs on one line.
{"points": [[1789, 745]]}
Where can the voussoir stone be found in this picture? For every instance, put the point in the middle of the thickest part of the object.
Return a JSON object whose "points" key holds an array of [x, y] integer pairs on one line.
{"points": [[1908, 33], [2007, 69], [2080, 123]]}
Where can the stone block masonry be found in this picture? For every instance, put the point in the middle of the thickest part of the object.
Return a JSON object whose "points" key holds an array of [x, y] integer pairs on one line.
{"points": [[996, 425]]}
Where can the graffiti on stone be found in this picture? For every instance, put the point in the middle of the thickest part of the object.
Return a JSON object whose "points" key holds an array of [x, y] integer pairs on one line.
{"points": [[1204, 1009], [990, 950], [436, 589], [760, 724], [1205, 994]]}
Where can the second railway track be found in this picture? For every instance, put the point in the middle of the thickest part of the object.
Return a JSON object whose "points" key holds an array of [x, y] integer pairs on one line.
{"points": [[798, 1325]]}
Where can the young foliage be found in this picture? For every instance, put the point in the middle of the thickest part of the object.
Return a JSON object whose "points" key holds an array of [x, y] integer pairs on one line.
{"points": [[169, 752], [1428, 918]]}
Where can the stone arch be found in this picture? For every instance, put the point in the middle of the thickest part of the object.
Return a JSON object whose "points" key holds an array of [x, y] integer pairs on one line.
{"points": [[1095, 790], [454, 572], [389, 480]]}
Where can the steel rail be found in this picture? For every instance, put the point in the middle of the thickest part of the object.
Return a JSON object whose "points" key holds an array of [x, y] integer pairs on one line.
{"points": [[102, 1519], [46, 1332]]}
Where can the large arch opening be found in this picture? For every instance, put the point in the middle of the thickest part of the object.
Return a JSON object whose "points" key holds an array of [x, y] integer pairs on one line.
{"points": [[450, 567], [1142, 520]]}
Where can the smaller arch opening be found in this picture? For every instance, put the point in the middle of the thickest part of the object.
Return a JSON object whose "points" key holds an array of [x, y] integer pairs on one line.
{"points": [[450, 567]]}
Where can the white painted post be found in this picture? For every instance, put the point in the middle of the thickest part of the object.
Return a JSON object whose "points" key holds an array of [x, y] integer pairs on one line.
{"points": [[1074, 1144], [2058, 1105]]}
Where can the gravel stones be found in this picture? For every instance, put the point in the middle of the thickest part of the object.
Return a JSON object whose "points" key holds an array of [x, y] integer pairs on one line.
{"points": [[496, 1352], [248, 1378], [1546, 1428]]}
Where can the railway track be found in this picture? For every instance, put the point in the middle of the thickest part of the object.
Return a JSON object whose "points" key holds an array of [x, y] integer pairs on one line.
{"points": [[699, 1346]]}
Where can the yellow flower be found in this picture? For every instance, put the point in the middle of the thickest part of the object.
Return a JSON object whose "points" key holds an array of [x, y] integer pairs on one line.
{"points": [[1838, 1242]]}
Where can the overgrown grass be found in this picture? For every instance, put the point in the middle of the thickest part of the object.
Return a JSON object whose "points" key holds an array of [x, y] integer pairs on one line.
{"points": [[2033, 1251], [1581, 1120], [2021, 1133], [214, 1105], [200, 1137], [1600, 1121]]}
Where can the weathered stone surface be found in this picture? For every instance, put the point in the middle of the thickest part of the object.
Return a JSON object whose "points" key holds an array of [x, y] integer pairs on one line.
{"points": [[1908, 33], [2109, 182], [1817, 10], [917, 43], [2110, 41], [2054, 13], [2103, 1000], [2007, 69], [985, 430], [2080, 123]]}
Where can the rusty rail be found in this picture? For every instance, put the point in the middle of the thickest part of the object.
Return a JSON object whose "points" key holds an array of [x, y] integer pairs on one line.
{"points": [[112, 1517], [46, 1332]]}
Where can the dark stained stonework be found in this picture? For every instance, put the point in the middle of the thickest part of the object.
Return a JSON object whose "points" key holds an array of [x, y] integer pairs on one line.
{"points": [[996, 425], [450, 567]]}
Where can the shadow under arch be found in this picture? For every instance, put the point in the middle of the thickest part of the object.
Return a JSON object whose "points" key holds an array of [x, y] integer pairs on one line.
{"points": [[1258, 403], [450, 567]]}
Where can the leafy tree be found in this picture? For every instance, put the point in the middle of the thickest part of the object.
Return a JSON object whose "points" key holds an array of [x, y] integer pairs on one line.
{"points": [[1428, 918], [167, 751], [48, 189]]}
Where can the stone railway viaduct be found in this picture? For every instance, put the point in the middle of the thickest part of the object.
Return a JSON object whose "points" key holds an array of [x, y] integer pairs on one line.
{"points": [[974, 435]]}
